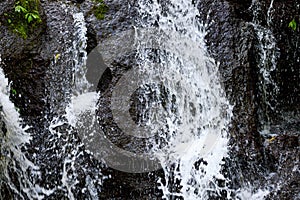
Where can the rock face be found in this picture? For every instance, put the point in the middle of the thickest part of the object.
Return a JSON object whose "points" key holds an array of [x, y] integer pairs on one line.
{"points": [[35, 66], [233, 41]]}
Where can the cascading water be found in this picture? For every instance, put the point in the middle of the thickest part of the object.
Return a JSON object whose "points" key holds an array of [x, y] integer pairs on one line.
{"points": [[267, 65], [80, 55], [196, 113], [59, 149], [188, 114], [73, 82], [13, 162], [201, 108]]}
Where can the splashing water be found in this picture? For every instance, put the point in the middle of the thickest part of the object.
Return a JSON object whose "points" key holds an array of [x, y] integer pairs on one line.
{"points": [[25, 179], [183, 99], [78, 86], [201, 108], [247, 194], [13, 162]]}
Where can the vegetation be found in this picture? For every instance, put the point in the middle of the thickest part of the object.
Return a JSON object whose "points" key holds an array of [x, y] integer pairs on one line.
{"points": [[24, 17], [100, 9], [13, 91], [293, 25]]}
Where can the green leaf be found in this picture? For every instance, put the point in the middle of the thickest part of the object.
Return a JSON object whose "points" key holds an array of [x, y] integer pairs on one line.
{"points": [[31, 16], [29, 19], [35, 16], [20, 9], [293, 24], [9, 21]]}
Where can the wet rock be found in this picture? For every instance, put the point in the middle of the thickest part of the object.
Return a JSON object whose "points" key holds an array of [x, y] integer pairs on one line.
{"points": [[288, 72], [285, 148], [91, 38], [35, 66], [78, 1], [121, 16], [241, 10], [23, 65], [233, 42]]}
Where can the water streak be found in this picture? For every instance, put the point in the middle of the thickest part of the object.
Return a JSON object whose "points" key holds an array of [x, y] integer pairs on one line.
{"points": [[268, 53], [80, 54]]}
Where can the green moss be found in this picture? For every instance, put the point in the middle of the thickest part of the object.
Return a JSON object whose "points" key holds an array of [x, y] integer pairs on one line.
{"points": [[100, 9], [24, 17]]}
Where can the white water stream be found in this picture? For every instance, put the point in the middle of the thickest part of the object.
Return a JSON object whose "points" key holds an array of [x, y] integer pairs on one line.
{"points": [[203, 113]]}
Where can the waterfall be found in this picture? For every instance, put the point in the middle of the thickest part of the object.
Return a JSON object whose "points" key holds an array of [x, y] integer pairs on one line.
{"points": [[75, 84], [165, 93], [147, 101], [14, 163], [170, 53], [199, 102]]}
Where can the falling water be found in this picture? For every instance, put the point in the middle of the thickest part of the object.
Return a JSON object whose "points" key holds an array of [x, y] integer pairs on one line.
{"points": [[268, 53], [170, 71], [13, 162], [190, 162], [66, 78], [80, 54], [75, 84]]}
